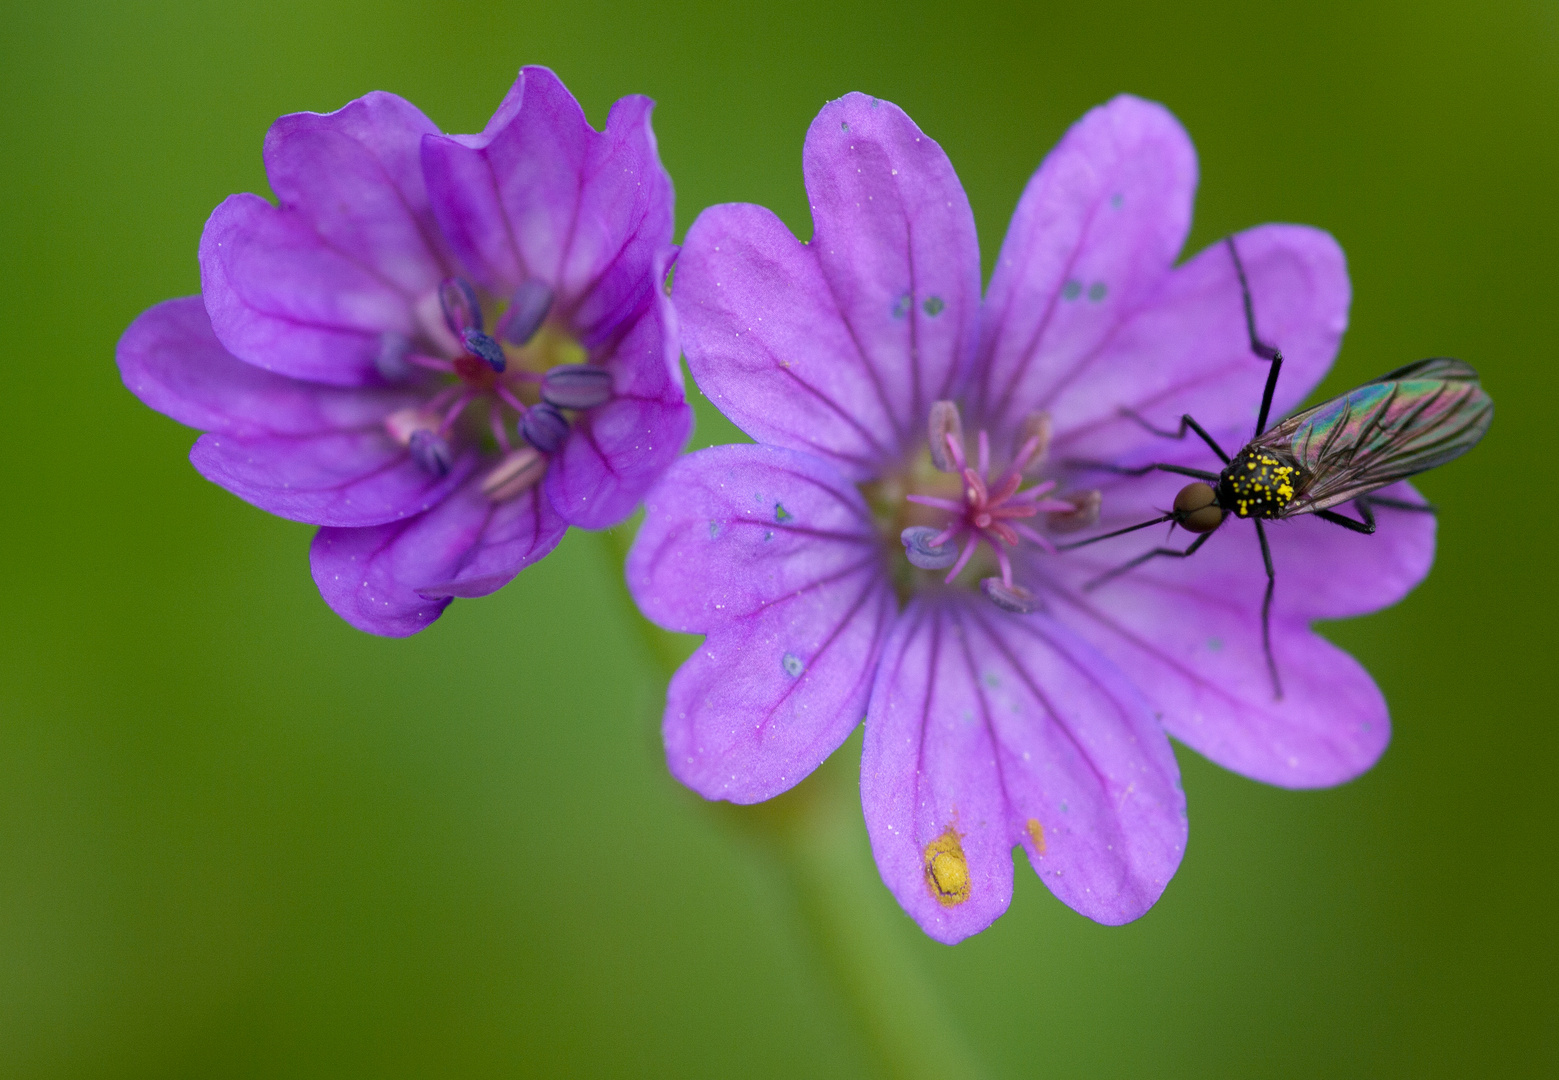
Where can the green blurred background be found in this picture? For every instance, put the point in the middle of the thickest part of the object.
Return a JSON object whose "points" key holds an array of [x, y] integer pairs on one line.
{"points": [[238, 838]]}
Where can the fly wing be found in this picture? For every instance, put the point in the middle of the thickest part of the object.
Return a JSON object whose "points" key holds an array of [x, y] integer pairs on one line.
{"points": [[1405, 422]]}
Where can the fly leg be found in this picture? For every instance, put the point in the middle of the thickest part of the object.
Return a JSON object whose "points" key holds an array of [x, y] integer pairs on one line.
{"points": [[1366, 526], [1186, 424], [1171, 553], [1267, 352], [1266, 611], [1399, 504], [1363, 504], [1141, 470]]}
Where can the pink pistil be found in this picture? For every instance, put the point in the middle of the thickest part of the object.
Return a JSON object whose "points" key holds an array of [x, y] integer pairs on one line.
{"points": [[991, 511]]}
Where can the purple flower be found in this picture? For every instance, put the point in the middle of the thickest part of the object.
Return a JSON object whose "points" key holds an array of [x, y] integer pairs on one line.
{"points": [[443, 349], [886, 549]]}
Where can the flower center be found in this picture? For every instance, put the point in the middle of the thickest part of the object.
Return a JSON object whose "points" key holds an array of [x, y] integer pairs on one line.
{"points": [[514, 392], [955, 511]]}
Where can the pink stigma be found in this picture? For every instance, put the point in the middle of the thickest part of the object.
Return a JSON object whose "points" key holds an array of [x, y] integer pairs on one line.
{"points": [[993, 511]]}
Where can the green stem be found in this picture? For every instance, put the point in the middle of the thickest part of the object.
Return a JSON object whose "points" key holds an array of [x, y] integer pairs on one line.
{"points": [[814, 834]]}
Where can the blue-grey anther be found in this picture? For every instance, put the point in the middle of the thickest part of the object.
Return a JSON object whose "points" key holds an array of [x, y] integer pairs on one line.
{"points": [[544, 427], [430, 450], [391, 360], [528, 309], [461, 311], [1013, 598], [918, 549], [480, 345], [576, 386], [944, 421]]}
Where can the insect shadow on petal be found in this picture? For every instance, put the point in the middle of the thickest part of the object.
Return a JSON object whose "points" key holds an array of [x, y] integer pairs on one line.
{"points": [[1399, 425]]}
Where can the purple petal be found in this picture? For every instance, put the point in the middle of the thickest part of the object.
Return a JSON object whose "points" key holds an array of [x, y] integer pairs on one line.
{"points": [[542, 195], [839, 346], [989, 730], [1190, 632], [282, 299], [1097, 229], [308, 288], [354, 570], [618, 450], [394, 579], [355, 175], [171, 360], [348, 479], [1188, 351], [772, 555]]}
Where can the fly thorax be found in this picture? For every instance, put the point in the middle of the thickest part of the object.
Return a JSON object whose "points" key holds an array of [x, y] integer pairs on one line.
{"points": [[1259, 483]]}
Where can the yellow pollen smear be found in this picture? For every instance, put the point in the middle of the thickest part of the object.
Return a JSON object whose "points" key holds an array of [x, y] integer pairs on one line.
{"points": [[550, 347], [947, 871], [1037, 834]]}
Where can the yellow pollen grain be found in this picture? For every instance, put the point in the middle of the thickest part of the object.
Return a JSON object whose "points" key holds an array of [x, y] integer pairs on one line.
{"points": [[1037, 834], [947, 871]]}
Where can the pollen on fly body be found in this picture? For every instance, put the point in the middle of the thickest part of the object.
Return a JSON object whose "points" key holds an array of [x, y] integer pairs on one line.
{"points": [[1399, 425]]}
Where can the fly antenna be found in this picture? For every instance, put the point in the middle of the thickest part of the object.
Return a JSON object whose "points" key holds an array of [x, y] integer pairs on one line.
{"points": [[1117, 532]]}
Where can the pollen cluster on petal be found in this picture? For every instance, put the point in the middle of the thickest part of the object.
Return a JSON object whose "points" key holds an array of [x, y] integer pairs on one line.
{"points": [[947, 870]]}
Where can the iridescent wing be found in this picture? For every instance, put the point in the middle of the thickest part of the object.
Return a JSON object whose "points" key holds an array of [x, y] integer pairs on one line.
{"points": [[1401, 424]]}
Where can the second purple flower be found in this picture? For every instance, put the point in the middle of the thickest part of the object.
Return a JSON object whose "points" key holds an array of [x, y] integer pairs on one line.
{"points": [[443, 349]]}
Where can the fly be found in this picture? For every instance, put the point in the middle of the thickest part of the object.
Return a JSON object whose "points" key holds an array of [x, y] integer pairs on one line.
{"points": [[1399, 425]]}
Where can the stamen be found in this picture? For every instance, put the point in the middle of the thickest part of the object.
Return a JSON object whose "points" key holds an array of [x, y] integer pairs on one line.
{"points": [[1081, 511], [403, 423], [430, 451], [1033, 441], [485, 347], [544, 427], [461, 311], [528, 309], [516, 474], [940, 504], [1009, 597], [955, 451], [963, 558], [1005, 563], [454, 413], [577, 386], [499, 429], [943, 424], [1034, 536], [432, 363], [984, 442], [924, 548], [509, 399]]}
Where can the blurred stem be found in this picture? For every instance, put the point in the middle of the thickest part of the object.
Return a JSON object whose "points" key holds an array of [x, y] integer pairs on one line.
{"points": [[813, 833]]}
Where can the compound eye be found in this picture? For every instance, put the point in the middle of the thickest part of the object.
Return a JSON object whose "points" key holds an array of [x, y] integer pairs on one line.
{"points": [[1194, 497], [1204, 520]]}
